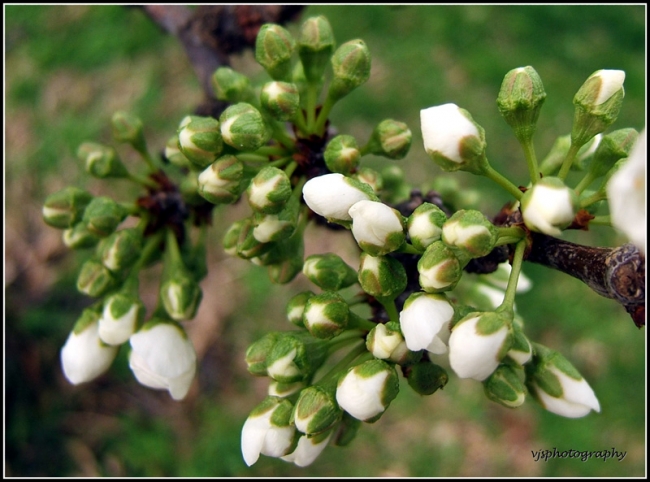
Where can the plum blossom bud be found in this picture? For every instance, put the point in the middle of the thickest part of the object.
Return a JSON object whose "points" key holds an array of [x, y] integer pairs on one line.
{"points": [[381, 276], [308, 449], [281, 100], [180, 295], [79, 237], [258, 352], [424, 321], [296, 307], [295, 357], [391, 139], [65, 208], [220, 182], [200, 140], [84, 356], [128, 128], [163, 357], [426, 378], [366, 390], [440, 269], [351, 66], [174, 155], [612, 147], [315, 46], [370, 177], [377, 228], [121, 249], [558, 386], [597, 104], [424, 225], [342, 154], [478, 343], [329, 272], [231, 236], [101, 161], [332, 195], [267, 430], [248, 246], [520, 100], [273, 49], [95, 279], [269, 190], [282, 390], [452, 139], [316, 410], [103, 215], [274, 227], [506, 387], [626, 195], [471, 232], [243, 127], [549, 206], [230, 86], [326, 315], [521, 350], [385, 341], [122, 314]]}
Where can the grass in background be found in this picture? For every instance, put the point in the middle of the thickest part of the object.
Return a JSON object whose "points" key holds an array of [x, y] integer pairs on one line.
{"points": [[68, 68]]}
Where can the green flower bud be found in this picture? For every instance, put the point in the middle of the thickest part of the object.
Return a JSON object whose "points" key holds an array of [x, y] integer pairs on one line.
{"points": [[377, 228], [65, 208], [220, 182], [121, 249], [230, 86], [316, 410], [258, 352], [103, 215], [505, 386], [231, 236], [385, 341], [521, 350], [180, 295], [247, 246], [439, 268], [520, 101], [326, 315], [273, 49], [329, 272], [391, 139], [242, 127], [552, 162], [342, 154], [269, 190], [276, 227], [128, 128], [381, 276], [370, 177], [280, 99], [295, 357], [283, 390], [174, 155], [199, 139], [612, 147], [315, 46], [471, 232], [296, 307], [285, 271], [351, 66], [78, 237], [424, 225], [347, 430], [426, 378], [597, 104], [95, 279], [101, 161], [189, 189]]}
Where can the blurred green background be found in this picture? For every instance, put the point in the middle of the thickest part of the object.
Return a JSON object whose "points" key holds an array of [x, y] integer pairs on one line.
{"points": [[68, 68]]}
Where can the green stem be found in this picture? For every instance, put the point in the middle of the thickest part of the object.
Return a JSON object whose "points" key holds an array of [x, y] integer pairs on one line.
{"points": [[531, 159], [145, 181], [151, 245], [511, 290], [131, 208], [568, 161], [510, 235], [605, 220], [390, 307], [594, 198], [344, 362], [585, 182], [344, 339], [290, 168], [251, 157], [144, 153], [300, 122], [171, 247], [323, 115], [355, 321], [312, 95], [271, 151], [408, 249], [502, 181], [280, 135], [279, 163]]}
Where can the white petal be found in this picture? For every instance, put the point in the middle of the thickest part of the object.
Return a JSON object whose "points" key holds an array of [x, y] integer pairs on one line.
{"points": [[361, 397], [331, 196], [423, 320], [307, 451], [443, 128], [83, 357], [253, 434], [612, 81]]}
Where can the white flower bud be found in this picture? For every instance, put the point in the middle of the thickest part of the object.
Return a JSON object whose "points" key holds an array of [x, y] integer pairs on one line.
{"points": [[439, 268], [425, 322], [386, 344], [425, 225], [378, 228], [549, 206], [269, 190], [308, 449], [267, 430], [332, 195], [120, 317]]}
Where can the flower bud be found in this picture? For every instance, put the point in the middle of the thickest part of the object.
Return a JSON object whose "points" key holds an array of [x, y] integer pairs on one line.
{"points": [[549, 206], [308, 449], [424, 225], [84, 357], [258, 352], [471, 232], [101, 161], [366, 390], [597, 104], [296, 308], [347, 430], [370, 177], [128, 128], [440, 269], [478, 343], [247, 246], [316, 410], [612, 147], [122, 314], [231, 236], [552, 162], [267, 430], [163, 357], [329, 272], [285, 270], [65, 208], [243, 127], [315, 46], [505, 387], [275, 227], [385, 341], [326, 315], [95, 279], [269, 190], [351, 66], [424, 322], [230, 86], [220, 182], [586, 153], [79, 237], [103, 215], [520, 101], [280, 99], [391, 139], [342, 154], [558, 386], [121, 249], [332, 195], [295, 357], [452, 139], [180, 295], [174, 155], [273, 49], [425, 377], [283, 390], [200, 140], [521, 350], [381, 276], [377, 228]]}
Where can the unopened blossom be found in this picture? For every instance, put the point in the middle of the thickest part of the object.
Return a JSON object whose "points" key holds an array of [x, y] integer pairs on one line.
{"points": [[549, 206], [267, 430], [308, 449], [425, 322], [332, 195], [377, 228]]}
